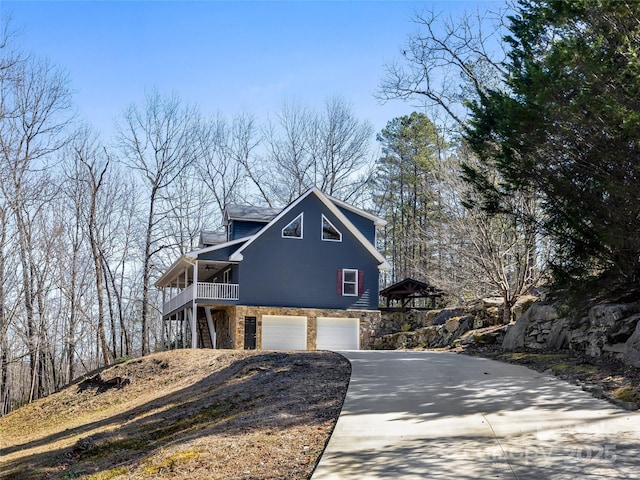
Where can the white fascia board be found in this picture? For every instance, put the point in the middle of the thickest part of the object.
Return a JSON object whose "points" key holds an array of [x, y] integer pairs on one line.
{"points": [[354, 231], [237, 255], [195, 253], [177, 267], [384, 267], [377, 221]]}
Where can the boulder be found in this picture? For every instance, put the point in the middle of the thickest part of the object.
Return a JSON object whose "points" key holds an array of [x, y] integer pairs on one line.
{"points": [[522, 305], [447, 313], [632, 348], [607, 315], [492, 302], [514, 338], [452, 324], [529, 330], [558, 334]]}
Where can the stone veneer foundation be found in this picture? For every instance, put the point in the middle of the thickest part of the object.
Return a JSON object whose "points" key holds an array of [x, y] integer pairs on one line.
{"points": [[368, 318]]}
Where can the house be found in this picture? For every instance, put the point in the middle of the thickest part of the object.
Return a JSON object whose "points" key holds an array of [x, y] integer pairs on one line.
{"points": [[302, 278]]}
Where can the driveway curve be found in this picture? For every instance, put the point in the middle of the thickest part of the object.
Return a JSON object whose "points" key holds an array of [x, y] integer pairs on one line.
{"points": [[440, 415]]}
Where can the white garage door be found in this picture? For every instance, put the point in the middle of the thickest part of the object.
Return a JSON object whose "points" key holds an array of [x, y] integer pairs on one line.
{"points": [[338, 334], [284, 332]]}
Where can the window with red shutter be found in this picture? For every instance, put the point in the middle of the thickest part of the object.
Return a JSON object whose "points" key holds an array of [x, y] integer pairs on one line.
{"points": [[349, 282]]}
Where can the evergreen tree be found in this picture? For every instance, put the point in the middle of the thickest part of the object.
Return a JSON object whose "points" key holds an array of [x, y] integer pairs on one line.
{"points": [[567, 129], [408, 193]]}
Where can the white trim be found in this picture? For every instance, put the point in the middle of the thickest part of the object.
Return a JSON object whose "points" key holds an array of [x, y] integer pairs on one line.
{"points": [[344, 270], [378, 222], [325, 219], [383, 264], [301, 217], [195, 253], [174, 270]]}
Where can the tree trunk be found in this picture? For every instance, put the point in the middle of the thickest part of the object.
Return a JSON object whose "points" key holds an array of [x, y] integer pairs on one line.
{"points": [[146, 275]]}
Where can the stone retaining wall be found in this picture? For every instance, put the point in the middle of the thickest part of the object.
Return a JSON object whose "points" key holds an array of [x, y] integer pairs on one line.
{"points": [[607, 330]]}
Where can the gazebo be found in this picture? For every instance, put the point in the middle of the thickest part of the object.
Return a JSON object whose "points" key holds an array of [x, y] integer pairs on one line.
{"points": [[407, 291]]}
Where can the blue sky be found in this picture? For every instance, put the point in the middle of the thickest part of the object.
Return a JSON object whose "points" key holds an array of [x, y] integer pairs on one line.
{"points": [[227, 57]]}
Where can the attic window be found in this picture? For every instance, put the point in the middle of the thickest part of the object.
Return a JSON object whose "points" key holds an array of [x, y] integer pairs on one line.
{"points": [[329, 232], [294, 228]]}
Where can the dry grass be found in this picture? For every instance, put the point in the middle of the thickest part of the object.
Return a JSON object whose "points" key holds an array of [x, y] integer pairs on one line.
{"points": [[186, 414]]}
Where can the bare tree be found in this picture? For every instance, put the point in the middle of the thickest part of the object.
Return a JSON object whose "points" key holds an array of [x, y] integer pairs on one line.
{"points": [[157, 141], [304, 148], [288, 165], [35, 98], [339, 148], [225, 155], [91, 165], [447, 62]]}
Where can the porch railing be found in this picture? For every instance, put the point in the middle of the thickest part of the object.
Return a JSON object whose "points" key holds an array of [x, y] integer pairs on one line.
{"points": [[206, 291], [218, 291], [179, 300]]}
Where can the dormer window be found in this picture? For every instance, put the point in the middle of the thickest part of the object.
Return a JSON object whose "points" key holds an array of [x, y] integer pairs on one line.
{"points": [[294, 228], [329, 232]]}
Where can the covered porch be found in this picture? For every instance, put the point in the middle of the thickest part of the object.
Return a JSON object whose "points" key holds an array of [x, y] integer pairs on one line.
{"points": [[190, 280], [188, 284]]}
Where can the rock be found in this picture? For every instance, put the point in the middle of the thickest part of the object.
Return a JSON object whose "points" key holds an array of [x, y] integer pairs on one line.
{"points": [[514, 338], [492, 302], [557, 338], [522, 305], [447, 313], [632, 349], [622, 329], [452, 324], [608, 314], [465, 325], [617, 348], [595, 390], [528, 331]]}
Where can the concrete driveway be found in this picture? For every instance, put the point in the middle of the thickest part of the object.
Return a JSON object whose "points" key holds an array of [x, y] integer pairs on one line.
{"points": [[439, 415]]}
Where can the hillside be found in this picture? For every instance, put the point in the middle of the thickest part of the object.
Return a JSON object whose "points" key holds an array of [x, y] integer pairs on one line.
{"points": [[184, 414]]}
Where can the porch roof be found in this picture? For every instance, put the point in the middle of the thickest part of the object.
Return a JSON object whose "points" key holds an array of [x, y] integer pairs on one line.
{"points": [[179, 266], [187, 262]]}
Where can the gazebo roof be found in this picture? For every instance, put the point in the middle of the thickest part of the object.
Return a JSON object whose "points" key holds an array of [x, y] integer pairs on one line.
{"points": [[411, 288]]}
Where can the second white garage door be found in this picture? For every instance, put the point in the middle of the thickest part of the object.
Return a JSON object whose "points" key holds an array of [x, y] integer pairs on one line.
{"points": [[284, 332], [338, 333]]}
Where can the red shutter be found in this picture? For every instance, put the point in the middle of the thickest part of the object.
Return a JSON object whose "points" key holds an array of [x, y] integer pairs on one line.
{"points": [[360, 283], [339, 282]]}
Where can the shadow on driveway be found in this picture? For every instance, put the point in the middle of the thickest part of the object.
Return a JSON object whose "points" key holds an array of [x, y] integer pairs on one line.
{"points": [[439, 415]]}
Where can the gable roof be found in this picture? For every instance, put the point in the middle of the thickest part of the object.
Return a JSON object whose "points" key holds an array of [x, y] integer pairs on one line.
{"points": [[249, 213], [331, 206], [411, 288]]}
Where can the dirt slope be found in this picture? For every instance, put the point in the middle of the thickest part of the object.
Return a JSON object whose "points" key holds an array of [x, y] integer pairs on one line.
{"points": [[185, 414]]}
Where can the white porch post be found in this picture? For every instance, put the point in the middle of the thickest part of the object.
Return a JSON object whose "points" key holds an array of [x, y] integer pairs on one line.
{"points": [[194, 308], [162, 327], [184, 328]]}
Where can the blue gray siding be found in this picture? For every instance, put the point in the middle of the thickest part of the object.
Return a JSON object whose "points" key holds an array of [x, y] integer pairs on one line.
{"points": [[243, 228], [366, 226], [291, 272], [220, 254]]}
